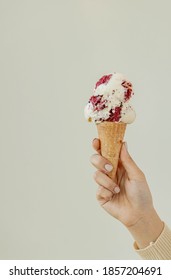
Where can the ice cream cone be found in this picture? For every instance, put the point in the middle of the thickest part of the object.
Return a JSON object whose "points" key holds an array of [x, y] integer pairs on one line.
{"points": [[111, 136]]}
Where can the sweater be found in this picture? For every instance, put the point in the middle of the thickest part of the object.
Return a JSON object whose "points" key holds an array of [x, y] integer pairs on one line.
{"points": [[158, 250]]}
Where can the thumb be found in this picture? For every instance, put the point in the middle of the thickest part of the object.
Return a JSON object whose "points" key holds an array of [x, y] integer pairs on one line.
{"points": [[133, 171]]}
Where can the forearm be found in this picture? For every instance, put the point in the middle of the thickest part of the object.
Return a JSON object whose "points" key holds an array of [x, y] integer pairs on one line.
{"points": [[147, 229]]}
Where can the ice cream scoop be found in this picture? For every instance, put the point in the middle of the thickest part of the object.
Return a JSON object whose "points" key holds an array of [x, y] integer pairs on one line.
{"points": [[110, 101], [109, 107]]}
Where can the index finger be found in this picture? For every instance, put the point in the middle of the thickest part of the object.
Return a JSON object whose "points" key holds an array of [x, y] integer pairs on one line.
{"points": [[96, 145]]}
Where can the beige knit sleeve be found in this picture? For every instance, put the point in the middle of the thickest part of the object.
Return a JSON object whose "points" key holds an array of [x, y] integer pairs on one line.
{"points": [[158, 250]]}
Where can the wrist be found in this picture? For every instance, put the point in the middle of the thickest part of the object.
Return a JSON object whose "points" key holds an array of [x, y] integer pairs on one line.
{"points": [[147, 229]]}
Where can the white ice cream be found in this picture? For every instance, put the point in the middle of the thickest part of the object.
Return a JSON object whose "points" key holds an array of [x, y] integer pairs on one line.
{"points": [[110, 101]]}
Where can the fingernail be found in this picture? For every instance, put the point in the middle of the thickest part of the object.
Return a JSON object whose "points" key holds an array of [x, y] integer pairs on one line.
{"points": [[94, 139], [117, 189], [108, 167], [126, 145]]}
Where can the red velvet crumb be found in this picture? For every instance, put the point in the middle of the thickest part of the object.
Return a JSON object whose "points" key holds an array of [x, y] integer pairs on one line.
{"points": [[97, 103], [95, 99], [103, 80], [128, 94], [116, 115], [128, 90]]}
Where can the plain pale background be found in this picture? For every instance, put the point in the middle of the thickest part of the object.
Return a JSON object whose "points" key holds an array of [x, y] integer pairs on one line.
{"points": [[51, 54]]}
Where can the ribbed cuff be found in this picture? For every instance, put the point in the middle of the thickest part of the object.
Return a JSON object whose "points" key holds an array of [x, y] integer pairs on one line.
{"points": [[158, 250]]}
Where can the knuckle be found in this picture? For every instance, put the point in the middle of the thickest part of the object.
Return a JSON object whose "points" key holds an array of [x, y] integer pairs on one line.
{"points": [[109, 196], [96, 175], [99, 193], [103, 194], [109, 185], [97, 160], [92, 159], [98, 196]]}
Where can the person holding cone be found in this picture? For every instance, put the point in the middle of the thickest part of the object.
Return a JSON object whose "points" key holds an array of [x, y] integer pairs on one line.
{"points": [[123, 190], [129, 200]]}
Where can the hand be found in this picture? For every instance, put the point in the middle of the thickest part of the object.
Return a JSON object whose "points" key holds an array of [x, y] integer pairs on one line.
{"points": [[129, 197]]}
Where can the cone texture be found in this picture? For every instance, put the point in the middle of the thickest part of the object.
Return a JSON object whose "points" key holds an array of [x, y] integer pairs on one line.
{"points": [[111, 136]]}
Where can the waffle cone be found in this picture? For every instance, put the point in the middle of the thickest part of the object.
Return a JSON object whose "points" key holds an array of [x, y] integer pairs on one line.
{"points": [[111, 136]]}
